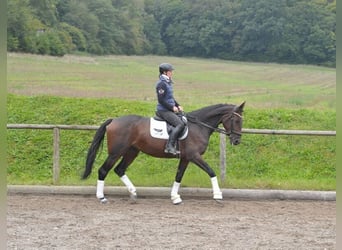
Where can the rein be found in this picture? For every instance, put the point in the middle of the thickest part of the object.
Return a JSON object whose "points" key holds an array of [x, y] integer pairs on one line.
{"points": [[219, 130]]}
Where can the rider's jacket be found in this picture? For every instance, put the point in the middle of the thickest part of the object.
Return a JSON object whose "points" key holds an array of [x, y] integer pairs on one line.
{"points": [[164, 90]]}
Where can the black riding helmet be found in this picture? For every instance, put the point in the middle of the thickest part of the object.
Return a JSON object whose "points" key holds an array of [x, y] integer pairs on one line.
{"points": [[165, 67]]}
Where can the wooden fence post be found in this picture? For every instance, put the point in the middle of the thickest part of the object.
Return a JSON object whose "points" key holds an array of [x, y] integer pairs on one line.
{"points": [[56, 169], [223, 158]]}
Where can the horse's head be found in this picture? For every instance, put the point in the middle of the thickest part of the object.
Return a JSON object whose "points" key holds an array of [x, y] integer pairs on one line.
{"points": [[232, 123]]}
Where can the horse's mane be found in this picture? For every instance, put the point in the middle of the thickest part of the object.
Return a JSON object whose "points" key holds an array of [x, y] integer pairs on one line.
{"points": [[210, 110]]}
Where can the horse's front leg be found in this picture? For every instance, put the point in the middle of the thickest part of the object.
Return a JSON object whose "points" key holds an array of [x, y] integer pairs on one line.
{"points": [[217, 194], [175, 197]]}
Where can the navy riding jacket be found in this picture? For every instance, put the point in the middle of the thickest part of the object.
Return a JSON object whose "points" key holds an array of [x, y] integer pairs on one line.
{"points": [[164, 89]]}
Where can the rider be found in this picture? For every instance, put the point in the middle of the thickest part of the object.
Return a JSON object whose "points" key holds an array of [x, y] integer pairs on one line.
{"points": [[168, 107]]}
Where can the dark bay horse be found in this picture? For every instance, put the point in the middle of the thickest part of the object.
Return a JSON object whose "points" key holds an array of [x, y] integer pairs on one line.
{"points": [[128, 135]]}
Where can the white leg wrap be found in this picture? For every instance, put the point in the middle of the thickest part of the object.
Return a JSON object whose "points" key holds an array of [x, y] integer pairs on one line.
{"points": [[175, 197], [175, 188], [128, 184], [216, 190], [99, 189]]}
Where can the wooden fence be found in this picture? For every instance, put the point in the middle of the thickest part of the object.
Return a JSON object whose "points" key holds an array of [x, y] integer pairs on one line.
{"points": [[56, 140]]}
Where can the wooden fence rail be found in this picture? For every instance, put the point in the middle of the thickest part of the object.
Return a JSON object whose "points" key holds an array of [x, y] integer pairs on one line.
{"points": [[57, 127]]}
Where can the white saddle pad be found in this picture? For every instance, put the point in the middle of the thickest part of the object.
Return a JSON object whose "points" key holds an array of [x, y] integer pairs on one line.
{"points": [[158, 129]]}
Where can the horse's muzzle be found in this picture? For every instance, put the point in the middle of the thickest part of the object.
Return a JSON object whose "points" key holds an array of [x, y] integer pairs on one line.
{"points": [[234, 140]]}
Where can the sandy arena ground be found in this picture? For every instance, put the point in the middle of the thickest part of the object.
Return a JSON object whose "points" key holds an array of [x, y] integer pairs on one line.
{"points": [[81, 222]]}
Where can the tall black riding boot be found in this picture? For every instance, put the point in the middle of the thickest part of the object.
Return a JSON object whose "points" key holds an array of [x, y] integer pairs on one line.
{"points": [[171, 143]]}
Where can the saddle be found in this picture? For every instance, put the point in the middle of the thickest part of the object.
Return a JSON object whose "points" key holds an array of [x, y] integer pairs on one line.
{"points": [[160, 129]]}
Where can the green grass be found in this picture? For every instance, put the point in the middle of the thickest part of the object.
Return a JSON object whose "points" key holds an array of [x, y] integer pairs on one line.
{"points": [[198, 82], [88, 90]]}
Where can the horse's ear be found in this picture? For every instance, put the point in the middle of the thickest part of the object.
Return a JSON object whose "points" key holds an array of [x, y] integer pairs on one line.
{"points": [[240, 108]]}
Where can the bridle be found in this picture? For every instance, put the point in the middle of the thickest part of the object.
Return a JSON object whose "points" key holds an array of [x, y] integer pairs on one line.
{"points": [[232, 130], [220, 130]]}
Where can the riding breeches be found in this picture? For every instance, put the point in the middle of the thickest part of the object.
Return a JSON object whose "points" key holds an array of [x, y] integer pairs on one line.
{"points": [[171, 118]]}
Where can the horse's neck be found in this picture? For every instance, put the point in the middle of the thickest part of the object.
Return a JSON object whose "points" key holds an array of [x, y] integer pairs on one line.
{"points": [[213, 121], [213, 116]]}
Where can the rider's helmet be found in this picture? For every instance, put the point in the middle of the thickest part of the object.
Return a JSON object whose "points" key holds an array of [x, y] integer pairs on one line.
{"points": [[165, 67]]}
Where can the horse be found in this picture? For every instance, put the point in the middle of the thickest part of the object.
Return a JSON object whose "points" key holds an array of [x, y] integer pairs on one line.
{"points": [[128, 135]]}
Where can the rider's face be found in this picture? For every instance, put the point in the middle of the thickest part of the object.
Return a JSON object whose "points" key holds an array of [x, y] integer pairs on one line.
{"points": [[169, 73]]}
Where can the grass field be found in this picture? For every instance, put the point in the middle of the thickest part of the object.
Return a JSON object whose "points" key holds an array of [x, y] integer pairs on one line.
{"points": [[198, 82], [87, 90]]}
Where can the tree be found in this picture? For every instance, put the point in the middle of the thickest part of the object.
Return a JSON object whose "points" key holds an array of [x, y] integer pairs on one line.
{"points": [[45, 11], [314, 30], [22, 26], [289, 31], [77, 14], [78, 40]]}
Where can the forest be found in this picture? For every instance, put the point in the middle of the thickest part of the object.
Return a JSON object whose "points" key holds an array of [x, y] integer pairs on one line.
{"points": [[284, 31]]}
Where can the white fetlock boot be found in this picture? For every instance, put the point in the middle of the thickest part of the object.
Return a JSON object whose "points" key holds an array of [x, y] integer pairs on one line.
{"points": [[175, 197], [99, 192], [217, 194], [133, 195], [131, 188]]}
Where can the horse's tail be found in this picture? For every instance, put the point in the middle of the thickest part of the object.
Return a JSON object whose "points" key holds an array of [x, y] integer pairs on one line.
{"points": [[94, 148]]}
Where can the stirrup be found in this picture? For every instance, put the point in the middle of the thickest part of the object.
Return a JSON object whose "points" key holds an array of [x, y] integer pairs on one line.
{"points": [[173, 151]]}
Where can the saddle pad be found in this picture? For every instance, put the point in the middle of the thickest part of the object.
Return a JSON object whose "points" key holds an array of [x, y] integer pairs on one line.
{"points": [[158, 129]]}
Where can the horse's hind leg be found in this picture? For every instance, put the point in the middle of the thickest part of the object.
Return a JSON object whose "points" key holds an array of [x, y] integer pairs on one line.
{"points": [[102, 173], [121, 168]]}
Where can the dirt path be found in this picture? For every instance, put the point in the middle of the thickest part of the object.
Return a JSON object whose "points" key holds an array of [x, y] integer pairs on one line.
{"points": [[80, 222]]}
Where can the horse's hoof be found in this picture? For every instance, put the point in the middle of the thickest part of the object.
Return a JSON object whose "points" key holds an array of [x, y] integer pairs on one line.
{"points": [[178, 203], [176, 200], [220, 202], [133, 197], [103, 200]]}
